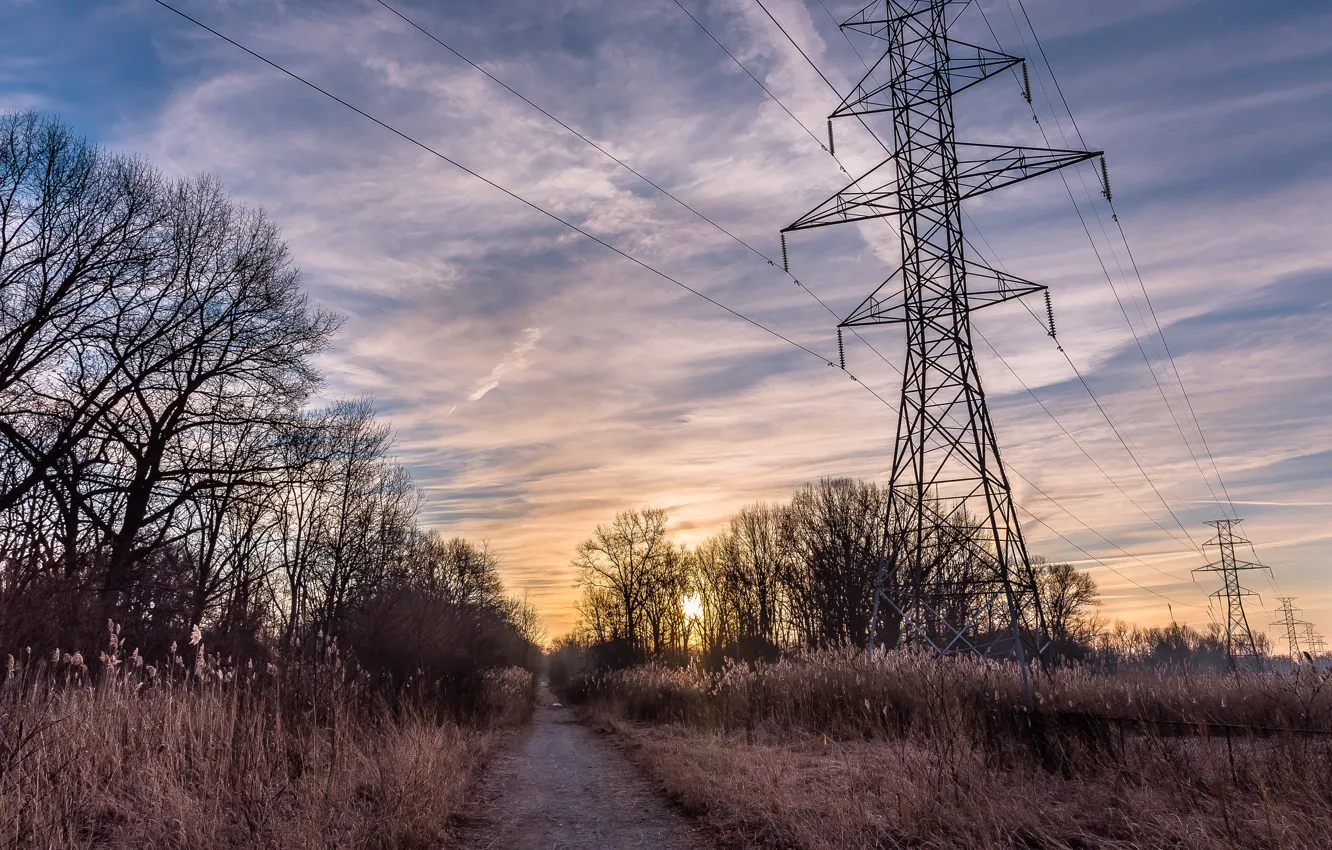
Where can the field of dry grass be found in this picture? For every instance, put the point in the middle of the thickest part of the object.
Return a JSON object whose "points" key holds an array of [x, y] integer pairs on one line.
{"points": [[835, 750], [213, 757]]}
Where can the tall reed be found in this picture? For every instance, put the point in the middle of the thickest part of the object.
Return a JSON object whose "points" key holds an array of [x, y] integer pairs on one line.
{"points": [[853, 694], [836, 749], [200, 753]]}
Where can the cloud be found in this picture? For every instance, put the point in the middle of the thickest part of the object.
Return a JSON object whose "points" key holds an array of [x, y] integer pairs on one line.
{"points": [[644, 394], [514, 361]]}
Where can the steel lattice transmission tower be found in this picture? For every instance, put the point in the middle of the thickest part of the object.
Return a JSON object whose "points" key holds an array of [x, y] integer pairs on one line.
{"points": [[946, 471], [1239, 639], [1313, 642], [1291, 623]]}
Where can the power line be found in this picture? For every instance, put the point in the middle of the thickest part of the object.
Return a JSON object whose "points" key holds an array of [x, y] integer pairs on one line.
{"points": [[1134, 263], [1143, 469], [521, 199], [626, 166], [1142, 286], [1087, 192], [514, 195], [1136, 584], [667, 193], [1084, 451], [1113, 253], [825, 8], [756, 80], [548, 214], [1124, 442], [1188, 401], [794, 44], [1133, 331], [770, 261]]}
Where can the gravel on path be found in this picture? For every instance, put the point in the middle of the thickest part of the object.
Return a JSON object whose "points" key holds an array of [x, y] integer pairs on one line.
{"points": [[562, 787]]}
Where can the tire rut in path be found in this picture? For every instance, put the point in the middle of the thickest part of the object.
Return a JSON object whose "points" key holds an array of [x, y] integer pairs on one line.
{"points": [[561, 787]]}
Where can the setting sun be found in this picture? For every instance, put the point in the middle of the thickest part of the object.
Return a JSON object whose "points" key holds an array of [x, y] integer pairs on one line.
{"points": [[692, 605]]}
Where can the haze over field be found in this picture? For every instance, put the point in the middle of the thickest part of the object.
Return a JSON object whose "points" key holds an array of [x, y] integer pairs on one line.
{"points": [[539, 383]]}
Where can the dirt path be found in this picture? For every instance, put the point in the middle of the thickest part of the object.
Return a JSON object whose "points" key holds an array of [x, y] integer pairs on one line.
{"points": [[564, 788]]}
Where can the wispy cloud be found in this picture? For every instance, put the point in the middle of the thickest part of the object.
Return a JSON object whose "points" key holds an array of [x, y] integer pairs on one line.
{"points": [[605, 387], [514, 361]]}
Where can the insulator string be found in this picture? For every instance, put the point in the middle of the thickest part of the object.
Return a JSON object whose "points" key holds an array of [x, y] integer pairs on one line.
{"points": [[1049, 315]]}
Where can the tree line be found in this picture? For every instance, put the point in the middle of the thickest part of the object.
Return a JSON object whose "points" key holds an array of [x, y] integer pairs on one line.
{"points": [[802, 574], [160, 463]]}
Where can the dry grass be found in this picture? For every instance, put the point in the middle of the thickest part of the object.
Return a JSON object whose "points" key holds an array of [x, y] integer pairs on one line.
{"points": [[213, 758], [850, 694], [837, 751]]}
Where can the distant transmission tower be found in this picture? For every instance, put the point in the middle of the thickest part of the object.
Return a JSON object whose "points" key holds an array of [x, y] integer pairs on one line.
{"points": [[1292, 624], [1239, 639], [946, 469], [1313, 642]]}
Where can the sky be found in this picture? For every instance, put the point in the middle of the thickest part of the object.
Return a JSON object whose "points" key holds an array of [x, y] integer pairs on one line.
{"points": [[538, 382]]}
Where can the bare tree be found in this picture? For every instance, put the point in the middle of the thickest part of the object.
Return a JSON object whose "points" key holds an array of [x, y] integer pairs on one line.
{"points": [[717, 625], [1068, 597], [663, 609], [157, 462], [762, 554], [836, 534], [601, 615], [231, 340], [78, 229], [619, 565], [459, 570], [370, 504]]}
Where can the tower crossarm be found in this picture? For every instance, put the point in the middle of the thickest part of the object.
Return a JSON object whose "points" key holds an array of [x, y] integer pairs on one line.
{"points": [[984, 168], [854, 203], [986, 286], [1230, 590], [881, 17], [1221, 566], [981, 168], [967, 65]]}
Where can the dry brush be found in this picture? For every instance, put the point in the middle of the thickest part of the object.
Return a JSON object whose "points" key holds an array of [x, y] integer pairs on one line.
{"points": [[837, 749], [201, 754]]}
